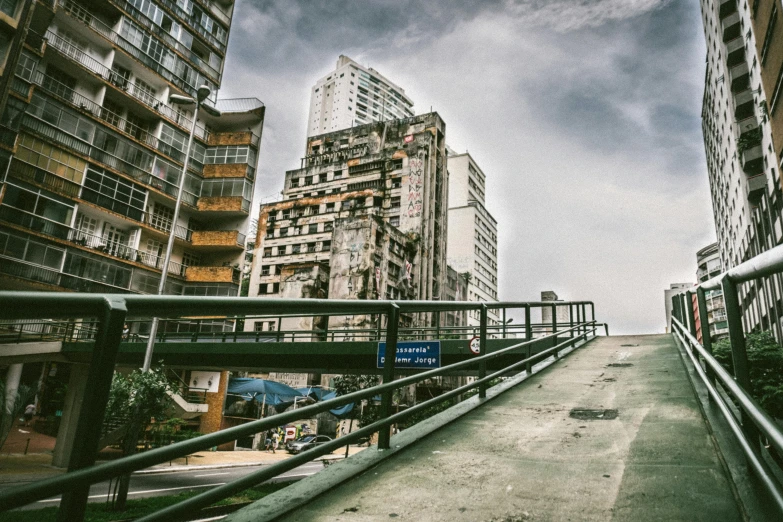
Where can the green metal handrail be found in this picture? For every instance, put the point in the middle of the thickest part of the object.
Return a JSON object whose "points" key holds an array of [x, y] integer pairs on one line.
{"points": [[748, 406], [112, 312]]}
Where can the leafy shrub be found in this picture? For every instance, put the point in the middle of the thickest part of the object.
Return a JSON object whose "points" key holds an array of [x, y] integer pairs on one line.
{"points": [[765, 366]]}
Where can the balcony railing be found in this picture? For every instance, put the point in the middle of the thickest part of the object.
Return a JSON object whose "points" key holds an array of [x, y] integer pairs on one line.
{"points": [[26, 172], [193, 24], [122, 251], [56, 88], [83, 15], [154, 28], [163, 224], [33, 222], [142, 95]]}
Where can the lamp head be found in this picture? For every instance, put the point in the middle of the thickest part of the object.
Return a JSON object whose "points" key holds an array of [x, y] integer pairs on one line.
{"points": [[181, 100], [203, 93]]}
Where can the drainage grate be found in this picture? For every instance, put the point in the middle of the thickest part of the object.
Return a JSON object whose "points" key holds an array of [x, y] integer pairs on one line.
{"points": [[592, 414], [619, 365]]}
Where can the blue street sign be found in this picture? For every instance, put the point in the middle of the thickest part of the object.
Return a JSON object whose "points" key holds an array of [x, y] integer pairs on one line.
{"points": [[413, 355]]}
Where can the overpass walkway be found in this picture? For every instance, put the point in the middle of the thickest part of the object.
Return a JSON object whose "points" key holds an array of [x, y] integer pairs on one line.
{"points": [[542, 451]]}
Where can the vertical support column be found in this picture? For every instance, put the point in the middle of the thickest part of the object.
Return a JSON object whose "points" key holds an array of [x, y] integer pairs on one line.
{"points": [[706, 339], [571, 320], [592, 318], [390, 356], [437, 324], [528, 337], [482, 370], [687, 316], [504, 322], [584, 320], [675, 311], [739, 354], [689, 308], [93, 406], [554, 328], [74, 397]]}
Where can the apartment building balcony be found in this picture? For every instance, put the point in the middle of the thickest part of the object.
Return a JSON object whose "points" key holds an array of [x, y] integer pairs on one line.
{"points": [[744, 104], [97, 243], [735, 51], [747, 125], [732, 26], [753, 160], [207, 240], [726, 8], [62, 92], [131, 89], [212, 274], [162, 224], [757, 187], [739, 77], [233, 138], [39, 177], [224, 205], [227, 170]]}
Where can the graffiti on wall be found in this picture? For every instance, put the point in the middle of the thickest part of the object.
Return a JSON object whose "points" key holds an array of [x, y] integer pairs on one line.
{"points": [[414, 198]]}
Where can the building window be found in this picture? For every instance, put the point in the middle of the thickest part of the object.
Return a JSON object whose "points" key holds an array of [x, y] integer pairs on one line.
{"points": [[112, 192]]}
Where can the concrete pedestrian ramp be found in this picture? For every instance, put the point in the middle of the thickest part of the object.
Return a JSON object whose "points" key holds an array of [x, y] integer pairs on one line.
{"points": [[612, 432]]}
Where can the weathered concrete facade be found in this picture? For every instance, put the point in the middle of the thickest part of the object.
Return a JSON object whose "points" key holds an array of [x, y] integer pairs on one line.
{"points": [[370, 204]]}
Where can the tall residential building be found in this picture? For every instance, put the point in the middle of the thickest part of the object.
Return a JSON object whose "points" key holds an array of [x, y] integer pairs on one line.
{"points": [[363, 218], [709, 266], [473, 240], [353, 95], [741, 109], [93, 151]]}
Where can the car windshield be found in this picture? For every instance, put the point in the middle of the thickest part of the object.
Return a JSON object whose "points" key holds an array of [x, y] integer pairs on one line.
{"points": [[306, 438]]}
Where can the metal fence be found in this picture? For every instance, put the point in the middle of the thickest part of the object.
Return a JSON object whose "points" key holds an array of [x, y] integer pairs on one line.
{"points": [[758, 435], [114, 310]]}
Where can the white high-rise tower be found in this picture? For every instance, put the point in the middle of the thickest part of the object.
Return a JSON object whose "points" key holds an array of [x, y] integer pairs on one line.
{"points": [[354, 95]]}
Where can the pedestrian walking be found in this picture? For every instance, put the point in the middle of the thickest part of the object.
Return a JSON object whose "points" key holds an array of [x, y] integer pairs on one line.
{"points": [[275, 440], [29, 411], [267, 441]]}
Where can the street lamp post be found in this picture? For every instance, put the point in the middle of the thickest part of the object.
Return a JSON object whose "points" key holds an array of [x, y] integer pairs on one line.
{"points": [[202, 94]]}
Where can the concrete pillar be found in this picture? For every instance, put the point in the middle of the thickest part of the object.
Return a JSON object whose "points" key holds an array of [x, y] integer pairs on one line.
{"points": [[12, 377], [74, 397], [212, 420]]}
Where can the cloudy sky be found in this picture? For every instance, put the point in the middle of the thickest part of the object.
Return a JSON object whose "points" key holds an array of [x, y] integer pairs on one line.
{"points": [[585, 116]]}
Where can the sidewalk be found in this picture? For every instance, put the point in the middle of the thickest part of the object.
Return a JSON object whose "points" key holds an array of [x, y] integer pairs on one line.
{"points": [[19, 468]]}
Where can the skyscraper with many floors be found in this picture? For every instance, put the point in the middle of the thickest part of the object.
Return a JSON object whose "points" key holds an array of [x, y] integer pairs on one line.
{"points": [[353, 95]]}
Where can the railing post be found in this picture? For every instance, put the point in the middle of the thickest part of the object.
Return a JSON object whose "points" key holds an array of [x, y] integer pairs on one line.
{"points": [[689, 308], [554, 328], [482, 370], [88, 428], [675, 311], [571, 320], [437, 324], [706, 339], [504, 322], [390, 356], [739, 354], [528, 337]]}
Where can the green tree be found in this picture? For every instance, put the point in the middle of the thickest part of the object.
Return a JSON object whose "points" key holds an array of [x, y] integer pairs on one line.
{"points": [[145, 395], [765, 367], [345, 384]]}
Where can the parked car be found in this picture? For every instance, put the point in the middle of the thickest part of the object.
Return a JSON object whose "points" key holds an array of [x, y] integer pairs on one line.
{"points": [[306, 442]]}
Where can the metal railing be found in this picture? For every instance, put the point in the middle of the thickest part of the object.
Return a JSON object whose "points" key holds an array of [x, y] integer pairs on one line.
{"points": [[114, 310], [132, 89], [758, 435]]}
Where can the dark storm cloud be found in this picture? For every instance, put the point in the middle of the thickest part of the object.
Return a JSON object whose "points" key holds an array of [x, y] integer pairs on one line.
{"points": [[624, 88]]}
